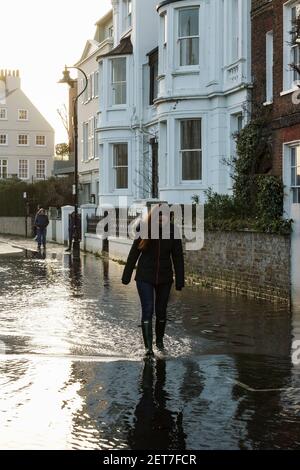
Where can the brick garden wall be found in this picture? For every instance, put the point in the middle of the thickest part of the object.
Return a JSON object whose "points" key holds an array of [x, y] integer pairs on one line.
{"points": [[248, 263]]}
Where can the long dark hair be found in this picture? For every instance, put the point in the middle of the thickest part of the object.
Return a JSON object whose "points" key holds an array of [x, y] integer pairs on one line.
{"points": [[145, 242]]}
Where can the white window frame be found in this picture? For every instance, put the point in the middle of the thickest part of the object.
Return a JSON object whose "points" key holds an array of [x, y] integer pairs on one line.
{"points": [[296, 46], [22, 110], [179, 38], [114, 167], [289, 84], [85, 141], [90, 87], [100, 148], [40, 145], [96, 84], [127, 15], [269, 66], [113, 84], [181, 151], [19, 169], [234, 33], [163, 56], [6, 139], [23, 145], [2, 166], [294, 187], [36, 169], [85, 96], [5, 112], [91, 138]]}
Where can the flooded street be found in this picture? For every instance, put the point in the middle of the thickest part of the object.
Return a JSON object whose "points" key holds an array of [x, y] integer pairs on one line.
{"points": [[72, 374]]}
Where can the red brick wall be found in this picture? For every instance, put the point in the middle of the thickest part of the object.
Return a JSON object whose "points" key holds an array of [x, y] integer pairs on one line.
{"points": [[283, 114]]}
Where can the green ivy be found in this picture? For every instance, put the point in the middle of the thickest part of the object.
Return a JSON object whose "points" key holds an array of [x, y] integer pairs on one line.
{"points": [[257, 199]]}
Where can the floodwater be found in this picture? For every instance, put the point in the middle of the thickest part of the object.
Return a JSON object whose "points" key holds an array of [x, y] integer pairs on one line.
{"points": [[72, 374]]}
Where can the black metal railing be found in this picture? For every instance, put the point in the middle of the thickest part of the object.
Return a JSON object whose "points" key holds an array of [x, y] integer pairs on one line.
{"points": [[118, 224]]}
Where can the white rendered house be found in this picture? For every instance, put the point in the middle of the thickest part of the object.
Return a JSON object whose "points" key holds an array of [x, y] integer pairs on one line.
{"points": [[88, 106], [174, 91], [26, 138]]}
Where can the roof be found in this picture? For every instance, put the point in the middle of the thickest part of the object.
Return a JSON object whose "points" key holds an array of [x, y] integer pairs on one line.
{"points": [[104, 18], [166, 2], [124, 48], [90, 48]]}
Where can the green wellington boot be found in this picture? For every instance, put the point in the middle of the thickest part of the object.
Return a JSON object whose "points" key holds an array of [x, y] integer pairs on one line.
{"points": [[160, 327], [148, 337]]}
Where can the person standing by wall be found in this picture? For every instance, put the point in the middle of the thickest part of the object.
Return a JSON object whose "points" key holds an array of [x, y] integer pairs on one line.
{"points": [[41, 223]]}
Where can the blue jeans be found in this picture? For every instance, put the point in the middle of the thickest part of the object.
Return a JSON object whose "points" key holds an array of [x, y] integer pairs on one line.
{"points": [[147, 292], [41, 236]]}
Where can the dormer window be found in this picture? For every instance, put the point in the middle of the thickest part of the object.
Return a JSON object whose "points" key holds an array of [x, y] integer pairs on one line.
{"points": [[188, 36]]}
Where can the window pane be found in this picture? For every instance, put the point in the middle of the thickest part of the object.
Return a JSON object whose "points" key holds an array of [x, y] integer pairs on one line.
{"points": [[189, 22], [119, 70], [119, 93], [120, 155], [293, 156], [122, 178], [298, 176], [293, 176], [297, 152], [191, 134], [189, 51], [191, 166]]}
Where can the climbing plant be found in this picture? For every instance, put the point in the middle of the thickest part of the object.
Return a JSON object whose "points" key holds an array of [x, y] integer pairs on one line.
{"points": [[257, 199]]}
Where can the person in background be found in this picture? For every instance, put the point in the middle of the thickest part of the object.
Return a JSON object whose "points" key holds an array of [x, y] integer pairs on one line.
{"points": [[34, 227], [41, 223], [71, 230], [154, 276]]}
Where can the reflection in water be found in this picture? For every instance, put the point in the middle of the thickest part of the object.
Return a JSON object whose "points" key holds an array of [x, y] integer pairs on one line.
{"points": [[155, 427], [71, 375], [37, 406], [75, 274]]}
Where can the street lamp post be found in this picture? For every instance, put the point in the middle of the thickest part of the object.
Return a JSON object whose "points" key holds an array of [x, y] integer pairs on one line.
{"points": [[67, 79]]}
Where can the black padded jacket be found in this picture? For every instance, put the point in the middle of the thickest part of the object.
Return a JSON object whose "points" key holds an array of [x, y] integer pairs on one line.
{"points": [[155, 263]]}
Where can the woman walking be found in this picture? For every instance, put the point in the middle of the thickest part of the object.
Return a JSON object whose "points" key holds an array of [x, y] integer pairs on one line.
{"points": [[154, 276]]}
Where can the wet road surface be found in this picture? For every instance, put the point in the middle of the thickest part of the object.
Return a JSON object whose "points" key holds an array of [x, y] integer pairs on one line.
{"points": [[72, 374]]}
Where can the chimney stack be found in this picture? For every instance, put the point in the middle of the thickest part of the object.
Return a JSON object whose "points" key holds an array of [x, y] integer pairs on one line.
{"points": [[11, 78]]}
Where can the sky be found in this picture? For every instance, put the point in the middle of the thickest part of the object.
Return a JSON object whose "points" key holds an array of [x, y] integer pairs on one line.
{"points": [[39, 38]]}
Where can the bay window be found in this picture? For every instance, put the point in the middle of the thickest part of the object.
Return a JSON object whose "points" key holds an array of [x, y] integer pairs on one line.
{"points": [[188, 36], [190, 150]]}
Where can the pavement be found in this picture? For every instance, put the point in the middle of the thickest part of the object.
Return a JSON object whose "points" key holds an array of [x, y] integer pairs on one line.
{"points": [[10, 244], [6, 249]]}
